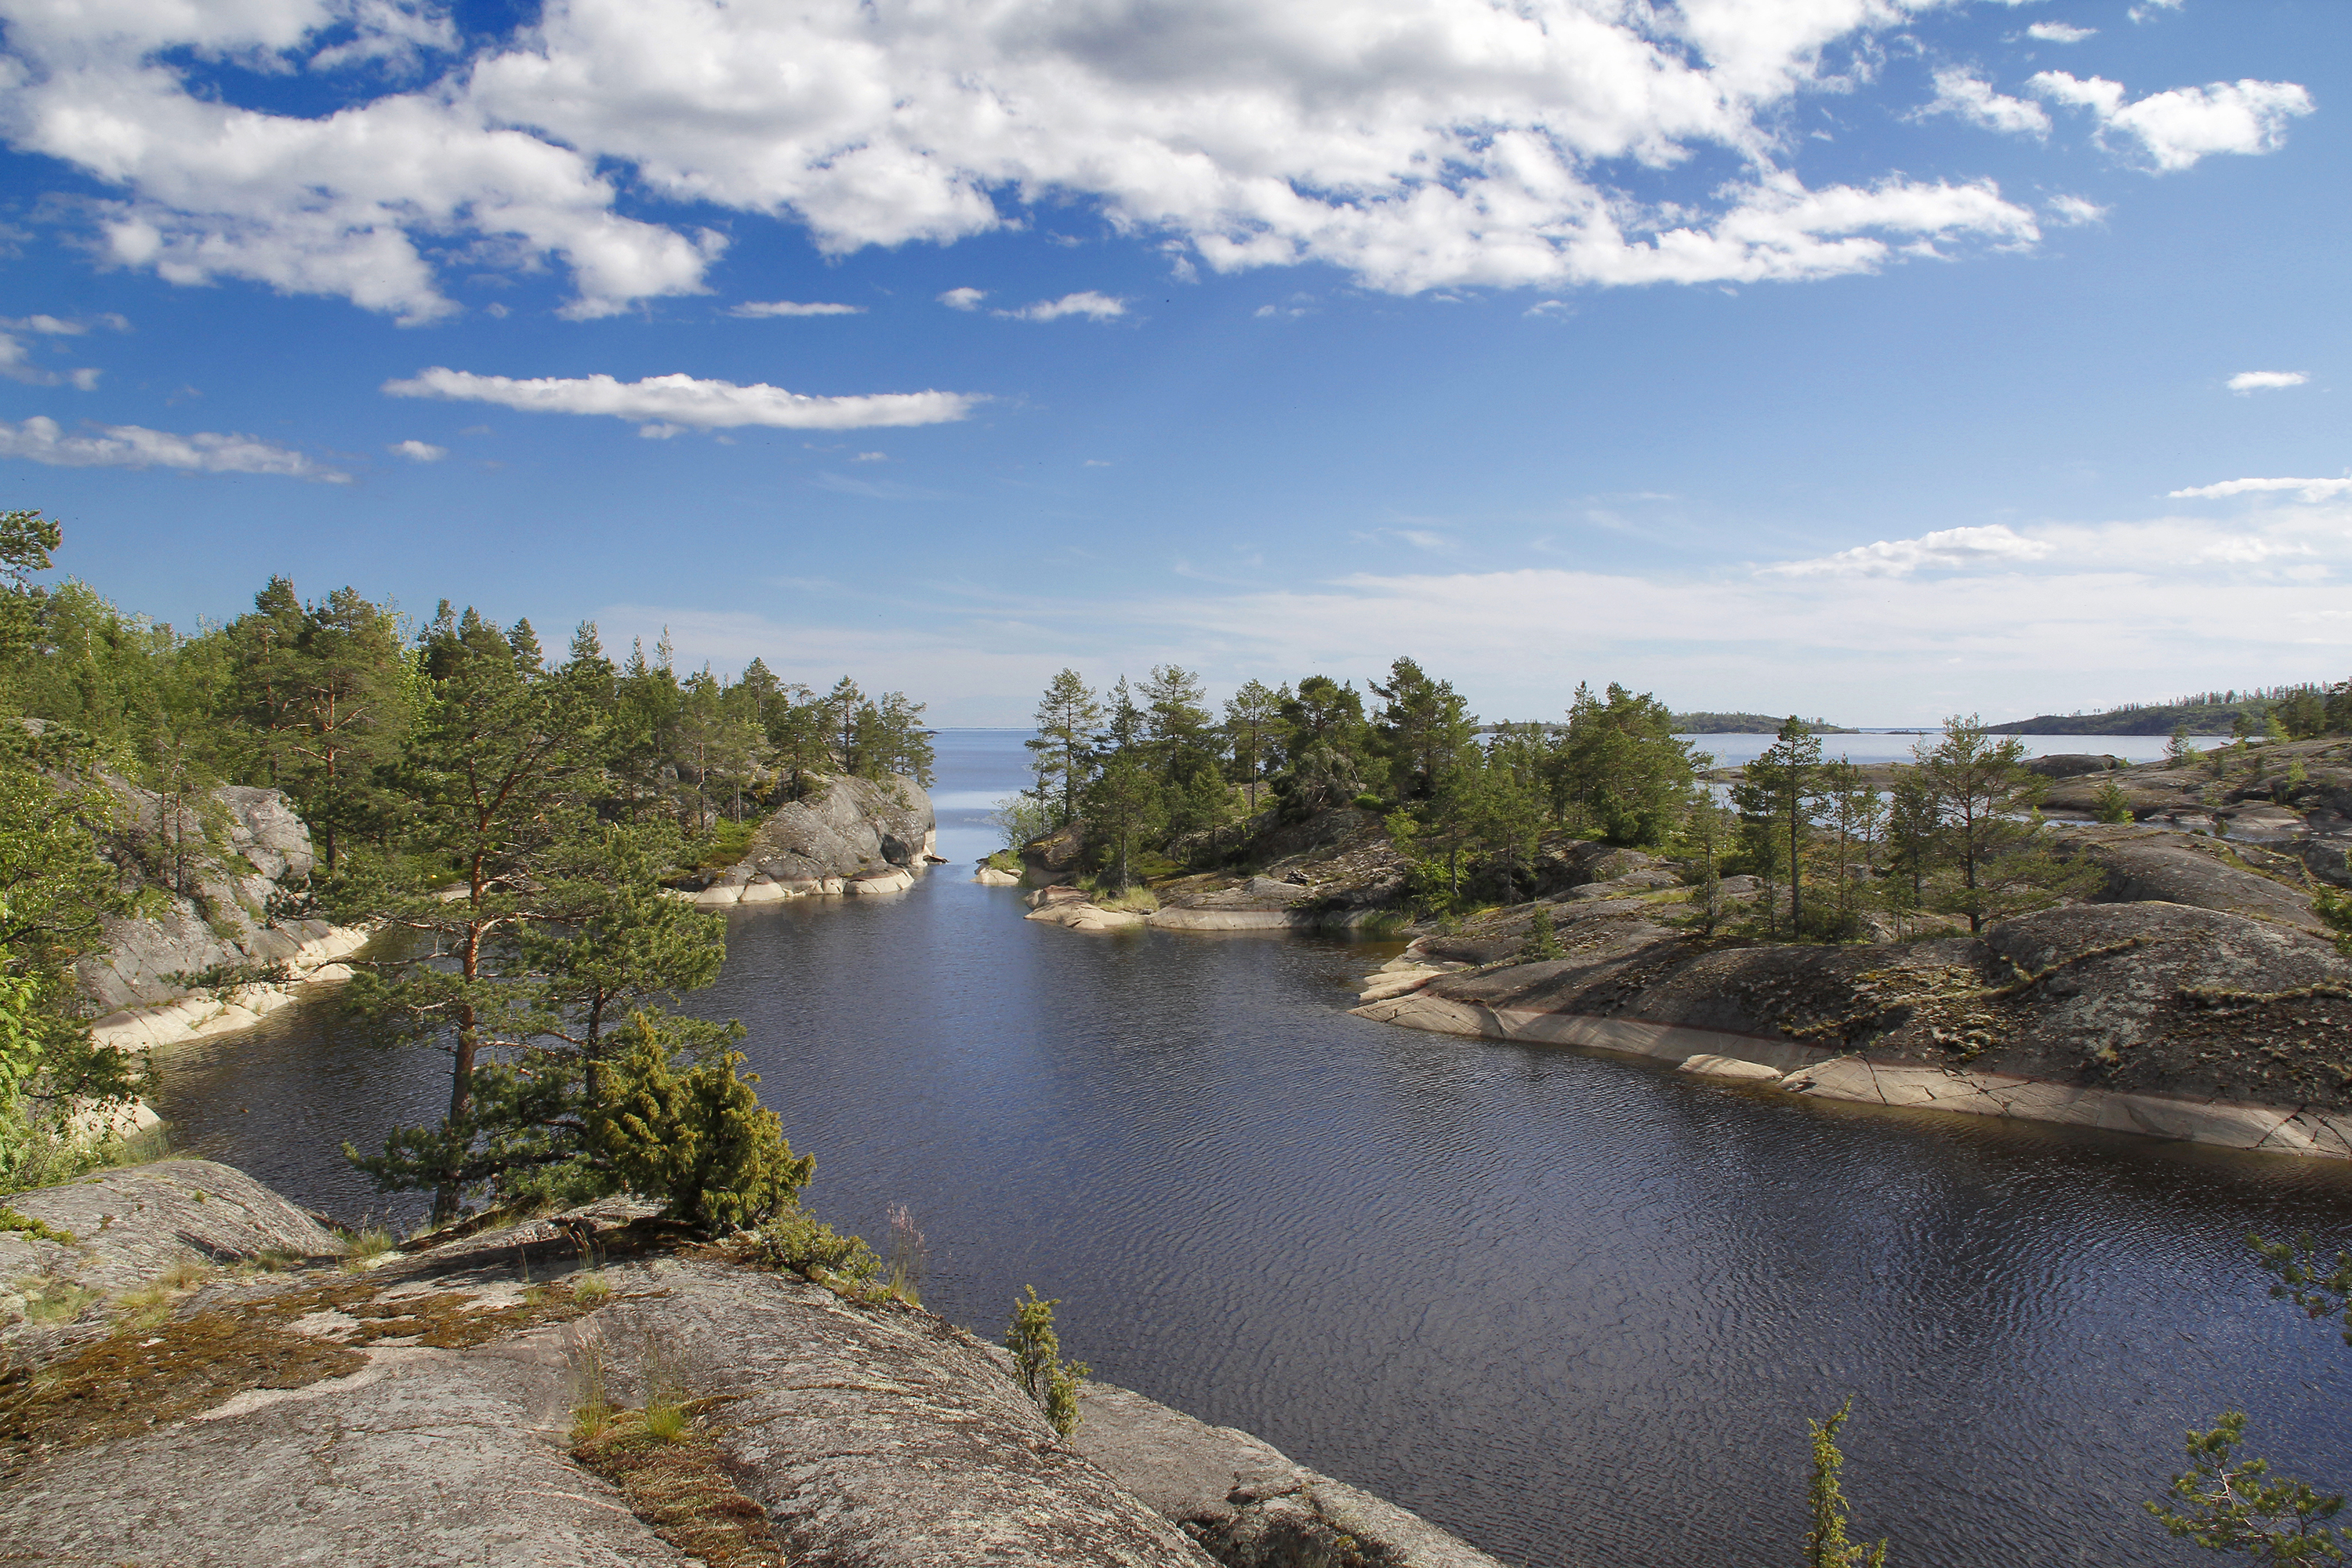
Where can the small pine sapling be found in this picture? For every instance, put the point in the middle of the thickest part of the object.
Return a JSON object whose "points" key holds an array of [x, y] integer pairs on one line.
{"points": [[1826, 1546], [1542, 943], [1037, 1361], [2111, 804]]}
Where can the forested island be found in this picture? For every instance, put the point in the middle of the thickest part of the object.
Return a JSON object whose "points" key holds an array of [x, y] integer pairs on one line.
{"points": [[2288, 711]]}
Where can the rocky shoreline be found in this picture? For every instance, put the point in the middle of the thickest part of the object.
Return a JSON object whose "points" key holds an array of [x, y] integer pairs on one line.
{"points": [[848, 837], [2196, 997], [263, 1396]]}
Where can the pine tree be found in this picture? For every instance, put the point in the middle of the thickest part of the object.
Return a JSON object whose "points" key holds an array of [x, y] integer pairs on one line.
{"points": [[1422, 724], [1776, 799], [495, 777], [1989, 833], [1067, 717], [1252, 737], [1126, 803]]}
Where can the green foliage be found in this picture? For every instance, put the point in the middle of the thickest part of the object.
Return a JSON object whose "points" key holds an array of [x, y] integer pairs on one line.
{"points": [[1036, 1350], [1987, 831], [1618, 769], [1542, 943], [2336, 910], [1421, 728], [2111, 804], [699, 1138], [1826, 1543], [55, 892], [2321, 1287], [10, 1220], [796, 1240], [1777, 799], [1068, 716], [2224, 1503]]}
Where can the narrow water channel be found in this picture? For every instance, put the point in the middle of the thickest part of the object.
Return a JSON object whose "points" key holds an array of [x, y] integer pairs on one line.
{"points": [[1575, 1308]]}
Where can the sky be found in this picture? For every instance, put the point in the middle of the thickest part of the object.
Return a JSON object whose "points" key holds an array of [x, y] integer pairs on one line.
{"points": [[1878, 359]]}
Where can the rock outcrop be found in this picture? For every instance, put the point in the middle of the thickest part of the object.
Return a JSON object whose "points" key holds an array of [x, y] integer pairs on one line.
{"points": [[428, 1408], [206, 950], [847, 835], [2147, 1016]]}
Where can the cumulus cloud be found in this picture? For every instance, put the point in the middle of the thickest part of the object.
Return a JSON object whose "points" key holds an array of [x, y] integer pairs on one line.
{"points": [[1099, 307], [672, 402], [1948, 549], [418, 451], [40, 440], [2303, 489], [1972, 99], [2072, 212], [754, 308], [2247, 381], [963, 299], [2059, 33], [2176, 128], [1414, 144]]}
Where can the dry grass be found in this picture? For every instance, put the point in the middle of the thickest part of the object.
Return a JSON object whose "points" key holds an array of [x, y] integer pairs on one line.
{"points": [[677, 1481]]}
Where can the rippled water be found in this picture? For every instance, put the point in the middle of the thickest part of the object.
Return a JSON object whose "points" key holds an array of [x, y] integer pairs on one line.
{"points": [[1572, 1307]]}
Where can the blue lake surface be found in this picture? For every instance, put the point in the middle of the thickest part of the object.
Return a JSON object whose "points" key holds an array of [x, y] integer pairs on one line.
{"points": [[1575, 1308]]}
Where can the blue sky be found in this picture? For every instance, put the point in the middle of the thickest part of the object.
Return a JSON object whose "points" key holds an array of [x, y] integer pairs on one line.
{"points": [[1878, 358]]}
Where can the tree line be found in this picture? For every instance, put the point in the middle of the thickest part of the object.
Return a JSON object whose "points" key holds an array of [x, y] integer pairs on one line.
{"points": [[509, 817], [1153, 780], [1156, 780]]}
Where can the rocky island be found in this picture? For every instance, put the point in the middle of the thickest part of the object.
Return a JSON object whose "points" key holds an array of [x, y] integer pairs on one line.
{"points": [[2193, 991]]}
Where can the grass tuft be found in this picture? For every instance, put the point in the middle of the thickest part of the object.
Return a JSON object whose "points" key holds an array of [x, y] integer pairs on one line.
{"points": [[592, 1289]]}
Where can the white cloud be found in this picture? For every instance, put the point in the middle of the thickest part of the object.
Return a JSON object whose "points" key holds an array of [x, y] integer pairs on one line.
{"points": [[61, 327], [963, 299], [2148, 8], [2176, 128], [1946, 549], [2059, 33], [1411, 143], [870, 458], [789, 308], [418, 451], [2304, 489], [2072, 212], [1972, 99], [136, 447], [2247, 381], [683, 401], [17, 358], [1099, 307]]}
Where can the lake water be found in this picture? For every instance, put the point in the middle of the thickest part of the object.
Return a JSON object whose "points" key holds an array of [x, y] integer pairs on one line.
{"points": [[1575, 1308]]}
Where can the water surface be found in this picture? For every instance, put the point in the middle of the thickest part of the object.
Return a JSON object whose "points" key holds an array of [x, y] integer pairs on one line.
{"points": [[1574, 1307]]}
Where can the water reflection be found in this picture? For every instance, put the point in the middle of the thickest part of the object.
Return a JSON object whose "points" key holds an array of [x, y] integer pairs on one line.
{"points": [[1574, 1307]]}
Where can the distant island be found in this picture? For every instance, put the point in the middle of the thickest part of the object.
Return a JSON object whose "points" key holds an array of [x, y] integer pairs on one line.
{"points": [[1749, 724], [2204, 713]]}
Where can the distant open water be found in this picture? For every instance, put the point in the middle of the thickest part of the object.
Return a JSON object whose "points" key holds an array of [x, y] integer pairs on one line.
{"points": [[1573, 1307]]}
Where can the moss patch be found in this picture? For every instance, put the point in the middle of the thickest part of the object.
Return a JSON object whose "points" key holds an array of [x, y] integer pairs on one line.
{"points": [[685, 1486], [150, 1373]]}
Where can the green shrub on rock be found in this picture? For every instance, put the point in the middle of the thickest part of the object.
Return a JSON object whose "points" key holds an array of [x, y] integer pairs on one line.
{"points": [[796, 1240], [1037, 1361], [697, 1139]]}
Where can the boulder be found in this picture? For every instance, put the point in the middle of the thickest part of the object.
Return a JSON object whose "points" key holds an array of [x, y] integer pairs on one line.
{"points": [[844, 827], [2072, 764]]}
